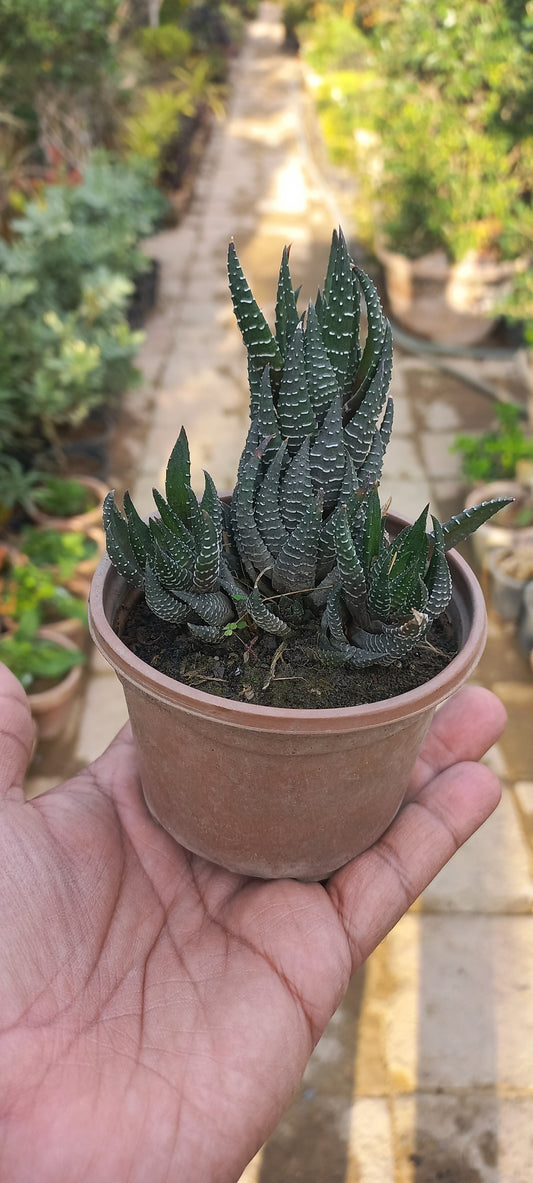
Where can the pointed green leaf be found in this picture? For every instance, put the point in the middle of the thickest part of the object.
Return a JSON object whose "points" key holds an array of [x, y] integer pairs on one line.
{"points": [[209, 633], [341, 312], [138, 531], [373, 531], [207, 565], [267, 507], [295, 414], [212, 607], [456, 529], [360, 429], [161, 602], [296, 488], [332, 263], [118, 543], [174, 524], [379, 336], [193, 518], [295, 566], [386, 426], [351, 574], [327, 456], [332, 619], [255, 331], [262, 616], [171, 575], [322, 382], [178, 476], [210, 502], [286, 311], [253, 553], [370, 472], [180, 552], [254, 383], [267, 419], [438, 576]]}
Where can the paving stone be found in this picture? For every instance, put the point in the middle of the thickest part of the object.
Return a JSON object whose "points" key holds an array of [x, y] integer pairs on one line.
{"points": [[407, 497], [449, 1138], [491, 873], [105, 713], [479, 1138], [438, 459], [467, 409], [370, 1149], [447, 496], [517, 740], [402, 460], [524, 795], [461, 1010]]}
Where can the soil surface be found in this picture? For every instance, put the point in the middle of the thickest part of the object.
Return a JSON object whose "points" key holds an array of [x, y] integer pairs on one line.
{"points": [[258, 668]]}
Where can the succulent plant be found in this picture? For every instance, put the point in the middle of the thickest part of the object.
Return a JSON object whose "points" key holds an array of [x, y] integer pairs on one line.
{"points": [[177, 557], [305, 538]]}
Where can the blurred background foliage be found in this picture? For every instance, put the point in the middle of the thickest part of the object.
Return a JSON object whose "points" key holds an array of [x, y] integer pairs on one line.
{"points": [[100, 108], [431, 107]]}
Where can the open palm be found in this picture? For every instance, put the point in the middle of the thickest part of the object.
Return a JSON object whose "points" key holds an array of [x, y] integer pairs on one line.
{"points": [[157, 1012]]}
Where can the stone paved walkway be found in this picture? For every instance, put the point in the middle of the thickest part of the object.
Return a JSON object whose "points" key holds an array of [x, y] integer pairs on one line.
{"points": [[426, 1071]]}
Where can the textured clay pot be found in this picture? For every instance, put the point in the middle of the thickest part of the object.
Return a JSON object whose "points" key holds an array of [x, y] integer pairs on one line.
{"points": [[80, 521], [499, 531], [271, 792], [451, 304], [51, 709], [507, 590]]}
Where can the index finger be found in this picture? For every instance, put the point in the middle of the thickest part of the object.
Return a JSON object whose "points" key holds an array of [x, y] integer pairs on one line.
{"points": [[16, 734], [463, 729]]}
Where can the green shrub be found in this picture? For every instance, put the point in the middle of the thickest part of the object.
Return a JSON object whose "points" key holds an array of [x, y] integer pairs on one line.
{"points": [[155, 122], [31, 658], [494, 455], [65, 281], [165, 42], [431, 105], [29, 592], [62, 496], [60, 550], [66, 41]]}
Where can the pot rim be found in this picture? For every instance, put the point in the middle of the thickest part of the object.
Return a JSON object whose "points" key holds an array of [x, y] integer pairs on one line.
{"points": [[131, 669]]}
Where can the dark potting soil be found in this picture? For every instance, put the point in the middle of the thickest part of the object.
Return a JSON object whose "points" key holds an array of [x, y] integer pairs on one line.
{"points": [[257, 668]]}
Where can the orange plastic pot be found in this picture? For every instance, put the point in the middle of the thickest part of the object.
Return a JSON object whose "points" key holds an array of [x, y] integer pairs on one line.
{"points": [[271, 792]]}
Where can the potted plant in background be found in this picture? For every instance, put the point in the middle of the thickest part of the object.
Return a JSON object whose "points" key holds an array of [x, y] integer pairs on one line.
{"points": [[71, 555], [25, 588], [499, 463], [67, 503], [329, 623], [430, 106], [49, 666]]}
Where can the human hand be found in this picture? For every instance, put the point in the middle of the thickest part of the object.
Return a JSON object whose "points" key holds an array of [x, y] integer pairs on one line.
{"points": [[156, 1011]]}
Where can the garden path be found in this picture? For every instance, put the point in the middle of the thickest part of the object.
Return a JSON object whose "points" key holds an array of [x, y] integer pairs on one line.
{"points": [[426, 1070]]}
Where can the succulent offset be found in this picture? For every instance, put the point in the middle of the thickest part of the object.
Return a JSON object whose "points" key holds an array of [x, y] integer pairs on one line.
{"points": [[305, 538]]}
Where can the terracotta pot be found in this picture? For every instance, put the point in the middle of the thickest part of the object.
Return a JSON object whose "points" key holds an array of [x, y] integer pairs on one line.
{"points": [[51, 709], [451, 304], [270, 792], [80, 521], [525, 624], [498, 532], [507, 589], [80, 582]]}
